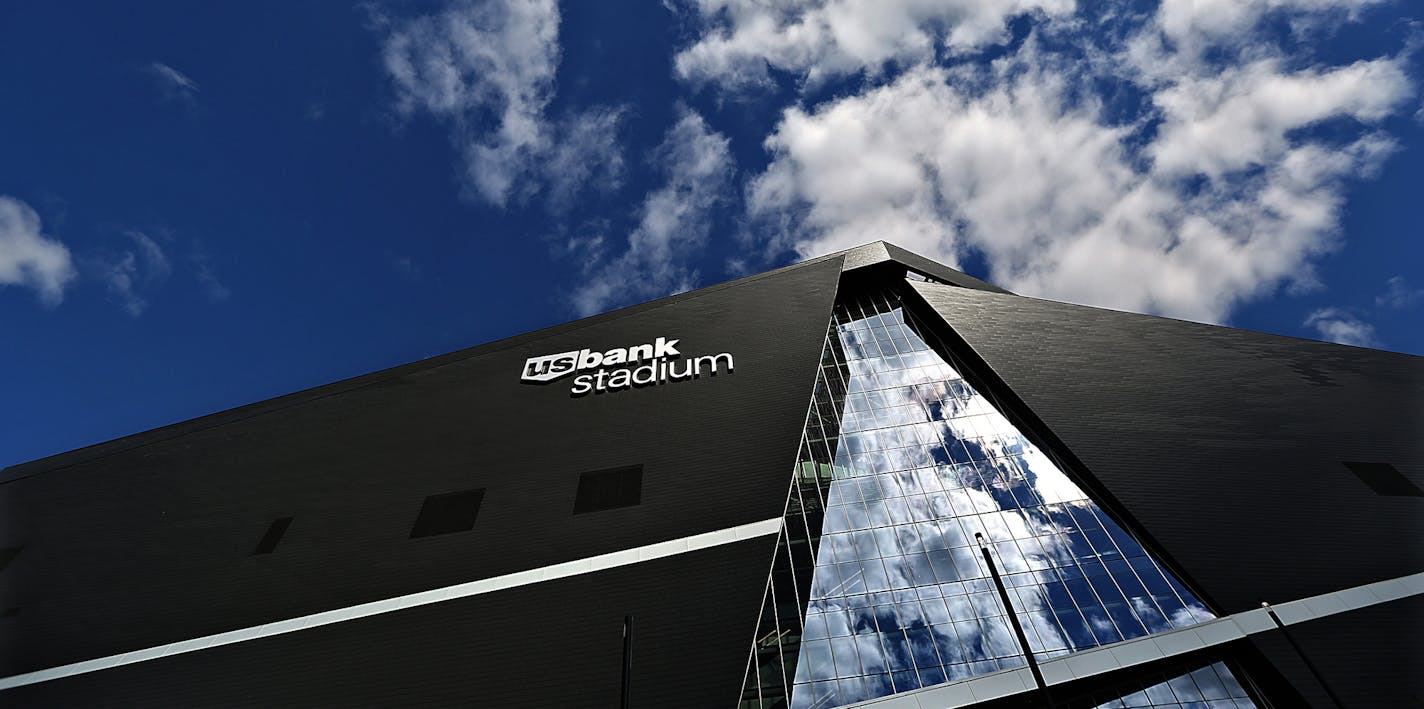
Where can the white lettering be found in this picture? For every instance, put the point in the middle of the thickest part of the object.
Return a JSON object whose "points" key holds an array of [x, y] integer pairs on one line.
{"points": [[549, 367], [666, 348], [651, 370], [583, 384], [658, 363], [711, 362], [588, 359], [641, 352]]}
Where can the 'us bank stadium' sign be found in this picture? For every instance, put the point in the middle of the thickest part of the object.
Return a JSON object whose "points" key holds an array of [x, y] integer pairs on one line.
{"points": [[657, 362]]}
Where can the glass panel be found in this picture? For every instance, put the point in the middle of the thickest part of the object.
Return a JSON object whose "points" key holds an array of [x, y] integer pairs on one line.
{"points": [[903, 462], [1210, 687]]}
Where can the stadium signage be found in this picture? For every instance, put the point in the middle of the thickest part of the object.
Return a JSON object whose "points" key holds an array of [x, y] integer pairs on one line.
{"points": [[657, 362]]}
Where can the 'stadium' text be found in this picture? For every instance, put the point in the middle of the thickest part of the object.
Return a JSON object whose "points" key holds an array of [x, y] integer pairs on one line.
{"points": [[653, 373]]}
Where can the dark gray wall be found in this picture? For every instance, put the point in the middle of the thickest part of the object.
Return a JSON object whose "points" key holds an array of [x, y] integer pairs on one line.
{"points": [[1370, 657], [147, 540], [551, 644]]}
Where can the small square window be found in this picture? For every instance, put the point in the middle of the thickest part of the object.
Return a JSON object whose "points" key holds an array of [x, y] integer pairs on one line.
{"points": [[273, 536], [447, 513], [1385, 480], [609, 489]]}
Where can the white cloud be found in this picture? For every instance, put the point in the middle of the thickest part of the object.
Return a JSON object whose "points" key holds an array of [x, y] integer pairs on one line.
{"points": [[1399, 294], [586, 155], [674, 222], [827, 38], [1211, 191], [1194, 25], [1242, 118], [477, 60], [172, 77], [212, 286], [131, 273], [174, 84], [1342, 326], [487, 69], [30, 258]]}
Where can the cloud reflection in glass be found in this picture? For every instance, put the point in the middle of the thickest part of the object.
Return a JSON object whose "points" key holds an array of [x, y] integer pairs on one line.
{"points": [[900, 597]]}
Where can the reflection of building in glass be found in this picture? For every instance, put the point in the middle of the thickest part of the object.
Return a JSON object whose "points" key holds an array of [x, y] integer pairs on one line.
{"points": [[476, 530]]}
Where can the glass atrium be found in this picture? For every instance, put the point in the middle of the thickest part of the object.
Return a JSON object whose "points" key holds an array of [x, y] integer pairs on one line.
{"points": [[879, 586]]}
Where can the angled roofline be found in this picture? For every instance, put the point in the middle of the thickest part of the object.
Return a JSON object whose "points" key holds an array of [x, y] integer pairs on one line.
{"points": [[875, 254]]}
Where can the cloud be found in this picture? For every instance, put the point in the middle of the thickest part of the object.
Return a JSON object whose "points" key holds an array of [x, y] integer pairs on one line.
{"points": [[1342, 326], [213, 287], [173, 83], [821, 39], [131, 273], [586, 155], [1194, 26], [1399, 294], [487, 70], [28, 257], [1123, 173], [1243, 118], [674, 222]]}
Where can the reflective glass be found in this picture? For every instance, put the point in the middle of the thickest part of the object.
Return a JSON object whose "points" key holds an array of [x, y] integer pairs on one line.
{"points": [[1210, 687], [903, 463]]}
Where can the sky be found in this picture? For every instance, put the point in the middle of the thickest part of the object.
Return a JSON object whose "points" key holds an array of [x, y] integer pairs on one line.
{"points": [[204, 205]]}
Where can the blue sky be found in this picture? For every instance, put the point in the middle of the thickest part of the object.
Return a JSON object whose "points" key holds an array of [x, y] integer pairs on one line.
{"points": [[204, 205]]}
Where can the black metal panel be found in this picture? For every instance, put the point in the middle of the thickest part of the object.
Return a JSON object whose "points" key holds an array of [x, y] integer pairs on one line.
{"points": [[1369, 657], [551, 644], [1384, 479], [1224, 445], [148, 540], [448, 513], [269, 541], [609, 489]]}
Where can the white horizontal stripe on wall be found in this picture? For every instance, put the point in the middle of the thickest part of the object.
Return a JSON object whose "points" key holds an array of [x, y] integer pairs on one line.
{"points": [[473, 588]]}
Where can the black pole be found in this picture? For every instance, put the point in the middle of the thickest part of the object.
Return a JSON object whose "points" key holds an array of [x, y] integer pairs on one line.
{"points": [[1014, 619], [627, 659], [1308, 664]]}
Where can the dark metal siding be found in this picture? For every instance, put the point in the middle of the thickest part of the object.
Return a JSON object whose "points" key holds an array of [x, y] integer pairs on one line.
{"points": [[552, 644], [1370, 657], [148, 540]]}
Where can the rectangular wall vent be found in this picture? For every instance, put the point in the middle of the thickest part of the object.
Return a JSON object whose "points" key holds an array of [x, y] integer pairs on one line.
{"points": [[609, 489], [273, 536], [447, 513], [1385, 480]]}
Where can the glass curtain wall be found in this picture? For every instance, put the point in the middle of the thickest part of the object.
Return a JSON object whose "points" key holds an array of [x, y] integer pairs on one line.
{"points": [[879, 586], [776, 650], [1210, 687]]}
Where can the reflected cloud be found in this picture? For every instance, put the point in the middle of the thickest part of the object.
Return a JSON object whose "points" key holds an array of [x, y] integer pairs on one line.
{"points": [[1210, 686], [899, 596]]}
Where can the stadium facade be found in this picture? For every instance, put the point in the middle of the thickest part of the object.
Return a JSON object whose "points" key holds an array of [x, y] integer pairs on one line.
{"points": [[866, 479]]}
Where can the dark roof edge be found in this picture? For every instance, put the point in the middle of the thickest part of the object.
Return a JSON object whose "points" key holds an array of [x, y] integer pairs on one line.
{"points": [[872, 254], [1342, 347], [879, 253], [20, 471], [938, 271]]}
